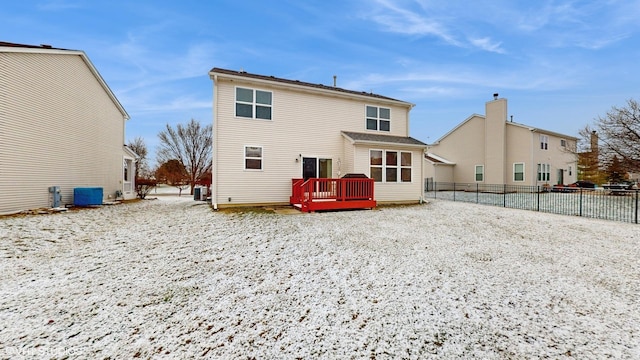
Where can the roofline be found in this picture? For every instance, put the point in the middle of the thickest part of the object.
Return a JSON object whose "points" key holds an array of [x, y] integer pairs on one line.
{"points": [[442, 160], [386, 143], [530, 128], [33, 49], [305, 86], [457, 126], [131, 152], [533, 129]]}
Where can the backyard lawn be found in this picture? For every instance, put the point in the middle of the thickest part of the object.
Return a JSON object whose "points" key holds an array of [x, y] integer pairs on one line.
{"points": [[170, 278]]}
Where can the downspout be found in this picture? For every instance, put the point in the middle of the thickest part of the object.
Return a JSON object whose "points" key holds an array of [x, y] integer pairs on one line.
{"points": [[535, 175], [214, 164]]}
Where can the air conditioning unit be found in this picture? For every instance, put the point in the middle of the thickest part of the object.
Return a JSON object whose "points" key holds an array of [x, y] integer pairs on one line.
{"points": [[200, 193], [54, 196]]}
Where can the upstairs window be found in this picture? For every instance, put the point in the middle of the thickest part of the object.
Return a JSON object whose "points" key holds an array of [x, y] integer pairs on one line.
{"points": [[253, 104], [544, 142], [378, 118], [563, 143]]}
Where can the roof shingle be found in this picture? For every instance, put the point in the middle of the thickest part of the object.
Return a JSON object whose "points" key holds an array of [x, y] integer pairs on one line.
{"points": [[379, 138], [302, 83]]}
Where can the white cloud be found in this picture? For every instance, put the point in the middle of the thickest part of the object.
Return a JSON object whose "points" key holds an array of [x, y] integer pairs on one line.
{"points": [[488, 45], [401, 20]]}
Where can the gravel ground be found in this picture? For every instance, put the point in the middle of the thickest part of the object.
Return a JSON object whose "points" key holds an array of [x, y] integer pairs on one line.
{"points": [[170, 278]]}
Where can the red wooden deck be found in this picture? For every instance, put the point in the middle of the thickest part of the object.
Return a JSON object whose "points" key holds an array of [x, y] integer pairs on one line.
{"points": [[316, 194]]}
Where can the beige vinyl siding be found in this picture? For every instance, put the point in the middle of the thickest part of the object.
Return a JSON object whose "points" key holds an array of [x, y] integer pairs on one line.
{"points": [[465, 146], [58, 127], [519, 151], [555, 156], [393, 192], [303, 123], [347, 165]]}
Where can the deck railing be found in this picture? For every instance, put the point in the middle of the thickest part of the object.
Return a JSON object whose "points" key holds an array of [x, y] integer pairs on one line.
{"points": [[304, 192]]}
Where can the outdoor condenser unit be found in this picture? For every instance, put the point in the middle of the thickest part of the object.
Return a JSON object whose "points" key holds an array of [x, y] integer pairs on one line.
{"points": [[55, 196]]}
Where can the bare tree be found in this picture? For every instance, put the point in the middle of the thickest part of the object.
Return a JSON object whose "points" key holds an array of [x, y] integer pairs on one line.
{"points": [[139, 147], [190, 145], [619, 135]]}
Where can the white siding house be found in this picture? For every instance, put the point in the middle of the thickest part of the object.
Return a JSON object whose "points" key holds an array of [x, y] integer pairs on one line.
{"points": [[491, 149], [60, 125], [268, 131]]}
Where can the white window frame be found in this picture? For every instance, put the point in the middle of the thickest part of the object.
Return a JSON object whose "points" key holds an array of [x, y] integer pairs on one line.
{"points": [[544, 172], [391, 166], [514, 172], [475, 173], [381, 166], [398, 166], [563, 143], [378, 118], [544, 142], [402, 167], [245, 157], [254, 104]]}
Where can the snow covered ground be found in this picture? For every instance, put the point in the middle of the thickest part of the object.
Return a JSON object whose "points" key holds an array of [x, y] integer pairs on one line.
{"points": [[169, 278]]}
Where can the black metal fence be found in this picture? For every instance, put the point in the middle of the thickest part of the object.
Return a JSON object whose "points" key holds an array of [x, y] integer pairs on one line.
{"points": [[607, 204]]}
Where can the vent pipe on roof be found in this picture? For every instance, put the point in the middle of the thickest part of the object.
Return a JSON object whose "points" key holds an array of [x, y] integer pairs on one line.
{"points": [[335, 80], [495, 96], [511, 118]]}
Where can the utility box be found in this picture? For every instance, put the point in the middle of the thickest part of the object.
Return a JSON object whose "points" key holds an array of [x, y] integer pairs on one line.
{"points": [[200, 193], [54, 196], [87, 196]]}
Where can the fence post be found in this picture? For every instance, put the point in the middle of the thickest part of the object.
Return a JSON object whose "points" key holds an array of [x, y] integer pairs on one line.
{"points": [[477, 193], [504, 195], [538, 198], [454, 191], [636, 207], [580, 201]]}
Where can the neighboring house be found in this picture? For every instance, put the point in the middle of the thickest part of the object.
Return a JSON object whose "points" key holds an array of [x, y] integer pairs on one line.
{"points": [[269, 131], [60, 125], [491, 150]]}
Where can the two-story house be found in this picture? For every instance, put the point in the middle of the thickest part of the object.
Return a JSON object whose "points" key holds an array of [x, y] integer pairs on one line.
{"points": [[270, 132], [61, 128], [491, 149]]}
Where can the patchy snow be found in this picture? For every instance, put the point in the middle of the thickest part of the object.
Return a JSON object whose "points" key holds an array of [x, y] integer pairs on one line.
{"points": [[169, 278]]}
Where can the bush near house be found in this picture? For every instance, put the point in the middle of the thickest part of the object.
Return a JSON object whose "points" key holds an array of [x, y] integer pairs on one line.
{"points": [[144, 186]]}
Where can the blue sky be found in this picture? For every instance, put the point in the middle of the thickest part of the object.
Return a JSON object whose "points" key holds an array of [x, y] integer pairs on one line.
{"points": [[560, 63]]}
